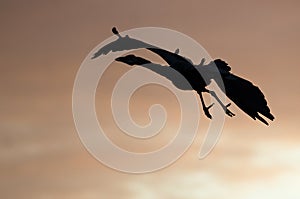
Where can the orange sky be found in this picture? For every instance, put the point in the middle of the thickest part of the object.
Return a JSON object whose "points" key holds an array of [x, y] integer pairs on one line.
{"points": [[42, 46]]}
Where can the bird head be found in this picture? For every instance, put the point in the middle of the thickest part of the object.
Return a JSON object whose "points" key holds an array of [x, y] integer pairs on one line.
{"points": [[132, 60], [129, 59]]}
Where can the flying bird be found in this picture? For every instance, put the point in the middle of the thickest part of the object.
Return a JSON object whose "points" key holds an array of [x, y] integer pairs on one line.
{"points": [[241, 92]]}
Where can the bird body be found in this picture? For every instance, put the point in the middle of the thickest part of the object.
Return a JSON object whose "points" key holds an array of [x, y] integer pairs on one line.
{"points": [[184, 67]]}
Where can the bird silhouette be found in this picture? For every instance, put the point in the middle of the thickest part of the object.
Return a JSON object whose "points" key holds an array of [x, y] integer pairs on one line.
{"points": [[242, 92]]}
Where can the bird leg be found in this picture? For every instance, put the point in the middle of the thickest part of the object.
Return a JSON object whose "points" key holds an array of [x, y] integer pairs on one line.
{"points": [[205, 109], [225, 107]]}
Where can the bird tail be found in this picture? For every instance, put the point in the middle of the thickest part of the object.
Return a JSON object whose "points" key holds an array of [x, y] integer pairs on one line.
{"points": [[247, 97]]}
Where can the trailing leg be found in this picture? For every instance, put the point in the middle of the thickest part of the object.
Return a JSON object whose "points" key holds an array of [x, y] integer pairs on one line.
{"points": [[205, 109], [225, 107]]}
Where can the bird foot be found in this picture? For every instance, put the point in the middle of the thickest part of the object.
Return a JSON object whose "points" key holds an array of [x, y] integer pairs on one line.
{"points": [[206, 111], [227, 111]]}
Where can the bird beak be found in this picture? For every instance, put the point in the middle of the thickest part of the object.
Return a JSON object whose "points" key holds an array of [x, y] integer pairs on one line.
{"points": [[119, 59]]}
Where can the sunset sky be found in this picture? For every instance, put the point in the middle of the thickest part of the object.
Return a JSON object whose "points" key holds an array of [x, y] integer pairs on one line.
{"points": [[43, 44]]}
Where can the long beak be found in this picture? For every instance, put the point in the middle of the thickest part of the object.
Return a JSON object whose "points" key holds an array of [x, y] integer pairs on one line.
{"points": [[119, 59]]}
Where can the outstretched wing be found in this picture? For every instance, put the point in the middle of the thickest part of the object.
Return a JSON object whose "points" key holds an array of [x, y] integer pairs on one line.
{"points": [[175, 61], [122, 43], [164, 71], [247, 97]]}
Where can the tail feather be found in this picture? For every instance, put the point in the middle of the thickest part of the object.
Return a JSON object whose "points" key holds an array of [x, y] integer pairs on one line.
{"points": [[247, 97]]}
